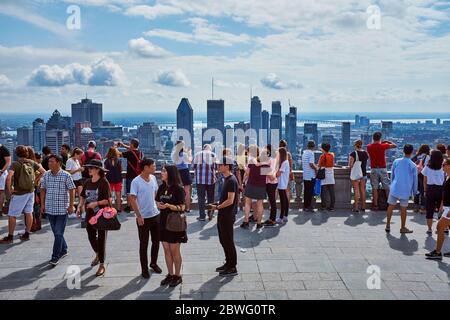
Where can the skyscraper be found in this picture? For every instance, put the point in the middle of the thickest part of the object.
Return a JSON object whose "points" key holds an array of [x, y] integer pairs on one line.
{"points": [[255, 115], [216, 116], [185, 119], [265, 124], [86, 110], [386, 128], [55, 138], [149, 137], [290, 125], [38, 134], [310, 133], [346, 133], [357, 120], [58, 122], [25, 136], [275, 119]]}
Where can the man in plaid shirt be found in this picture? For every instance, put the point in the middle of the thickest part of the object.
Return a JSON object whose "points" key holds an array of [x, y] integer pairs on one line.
{"points": [[205, 178], [57, 197]]}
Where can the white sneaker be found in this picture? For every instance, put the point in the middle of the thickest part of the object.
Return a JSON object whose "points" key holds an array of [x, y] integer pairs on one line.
{"points": [[279, 221]]}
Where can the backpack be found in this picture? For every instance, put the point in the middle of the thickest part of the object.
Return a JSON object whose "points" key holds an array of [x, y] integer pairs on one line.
{"points": [[26, 177], [137, 170]]}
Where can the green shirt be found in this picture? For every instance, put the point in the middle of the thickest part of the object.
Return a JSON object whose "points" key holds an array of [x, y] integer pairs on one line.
{"points": [[16, 166]]}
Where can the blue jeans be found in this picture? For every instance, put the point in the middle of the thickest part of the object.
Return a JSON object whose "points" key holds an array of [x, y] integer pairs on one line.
{"points": [[58, 225]]}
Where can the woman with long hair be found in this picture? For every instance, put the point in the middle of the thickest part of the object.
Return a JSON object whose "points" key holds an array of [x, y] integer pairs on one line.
{"points": [[359, 186], [114, 175], [95, 195], [170, 198], [421, 160], [433, 181], [182, 159], [255, 190], [37, 224], [241, 159]]}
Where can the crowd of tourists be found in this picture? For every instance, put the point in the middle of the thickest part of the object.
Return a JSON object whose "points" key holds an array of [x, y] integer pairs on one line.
{"points": [[78, 183]]}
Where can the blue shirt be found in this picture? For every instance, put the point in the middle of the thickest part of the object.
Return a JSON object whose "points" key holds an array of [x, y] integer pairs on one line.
{"points": [[404, 178]]}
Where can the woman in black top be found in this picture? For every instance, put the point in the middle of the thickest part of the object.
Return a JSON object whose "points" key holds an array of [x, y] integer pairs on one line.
{"points": [[444, 221], [171, 198], [95, 196], [359, 186], [114, 175]]}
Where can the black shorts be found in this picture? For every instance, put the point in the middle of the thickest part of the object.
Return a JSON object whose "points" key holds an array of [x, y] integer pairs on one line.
{"points": [[185, 176], [78, 183]]}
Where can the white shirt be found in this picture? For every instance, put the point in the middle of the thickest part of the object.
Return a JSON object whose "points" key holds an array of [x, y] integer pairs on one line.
{"points": [[283, 180], [308, 172], [145, 193], [74, 164], [434, 177]]}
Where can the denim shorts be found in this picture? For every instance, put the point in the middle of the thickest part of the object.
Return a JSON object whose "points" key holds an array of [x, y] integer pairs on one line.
{"points": [[393, 201], [377, 176]]}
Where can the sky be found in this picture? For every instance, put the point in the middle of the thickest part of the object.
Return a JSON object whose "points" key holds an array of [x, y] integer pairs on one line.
{"points": [[144, 56]]}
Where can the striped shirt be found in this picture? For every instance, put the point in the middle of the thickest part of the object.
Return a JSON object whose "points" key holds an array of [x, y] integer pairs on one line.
{"points": [[57, 188], [205, 167]]}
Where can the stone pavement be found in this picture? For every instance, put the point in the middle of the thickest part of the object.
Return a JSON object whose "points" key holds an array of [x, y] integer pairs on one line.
{"points": [[314, 256]]}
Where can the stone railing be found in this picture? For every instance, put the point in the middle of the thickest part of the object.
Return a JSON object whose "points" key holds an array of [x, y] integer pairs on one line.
{"points": [[343, 189]]}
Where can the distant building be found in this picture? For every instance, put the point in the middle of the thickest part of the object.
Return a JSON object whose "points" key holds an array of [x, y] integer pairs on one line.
{"points": [[346, 129], [364, 121], [329, 138], [244, 126], [290, 125], [256, 115], [86, 110], [387, 128], [438, 121], [366, 139], [276, 120], [25, 136], [55, 138], [58, 122], [38, 134], [185, 119], [216, 117], [79, 126], [265, 124], [310, 133], [357, 120], [111, 133], [86, 135], [149, 137]]}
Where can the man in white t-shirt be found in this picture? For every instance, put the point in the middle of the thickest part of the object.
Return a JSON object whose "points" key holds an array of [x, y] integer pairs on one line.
{"points": [[142, 197], [309, 176]]}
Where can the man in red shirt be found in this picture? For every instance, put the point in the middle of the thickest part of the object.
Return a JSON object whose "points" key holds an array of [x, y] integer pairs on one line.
{"points": [[378, 173]]}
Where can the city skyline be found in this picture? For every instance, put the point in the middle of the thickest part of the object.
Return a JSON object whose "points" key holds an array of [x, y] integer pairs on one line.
{"points": [[146, 55]]}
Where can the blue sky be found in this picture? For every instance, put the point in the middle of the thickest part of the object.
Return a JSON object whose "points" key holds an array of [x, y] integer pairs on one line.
{"points": [[138, 55]]}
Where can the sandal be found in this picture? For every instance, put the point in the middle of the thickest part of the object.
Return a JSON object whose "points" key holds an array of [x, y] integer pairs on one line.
{"points": [[405, 230], [101, 270], [387, 230]]}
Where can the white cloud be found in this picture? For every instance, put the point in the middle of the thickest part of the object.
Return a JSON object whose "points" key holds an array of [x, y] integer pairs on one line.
{"points": [[202, 31], [152, 12], [4, 81], [272, 81], [103, 72], [146, 49], [172, 78]]}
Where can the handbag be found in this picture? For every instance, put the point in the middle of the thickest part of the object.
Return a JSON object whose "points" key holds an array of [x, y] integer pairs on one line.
{"points": [[176, 222], [105, 219], [321, 172], [356, 172]]}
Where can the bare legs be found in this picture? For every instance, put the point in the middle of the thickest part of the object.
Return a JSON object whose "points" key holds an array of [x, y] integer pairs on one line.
{"points": [[173, 258], [442, 225], [402, 217], [187, 192], [359, 187]]}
